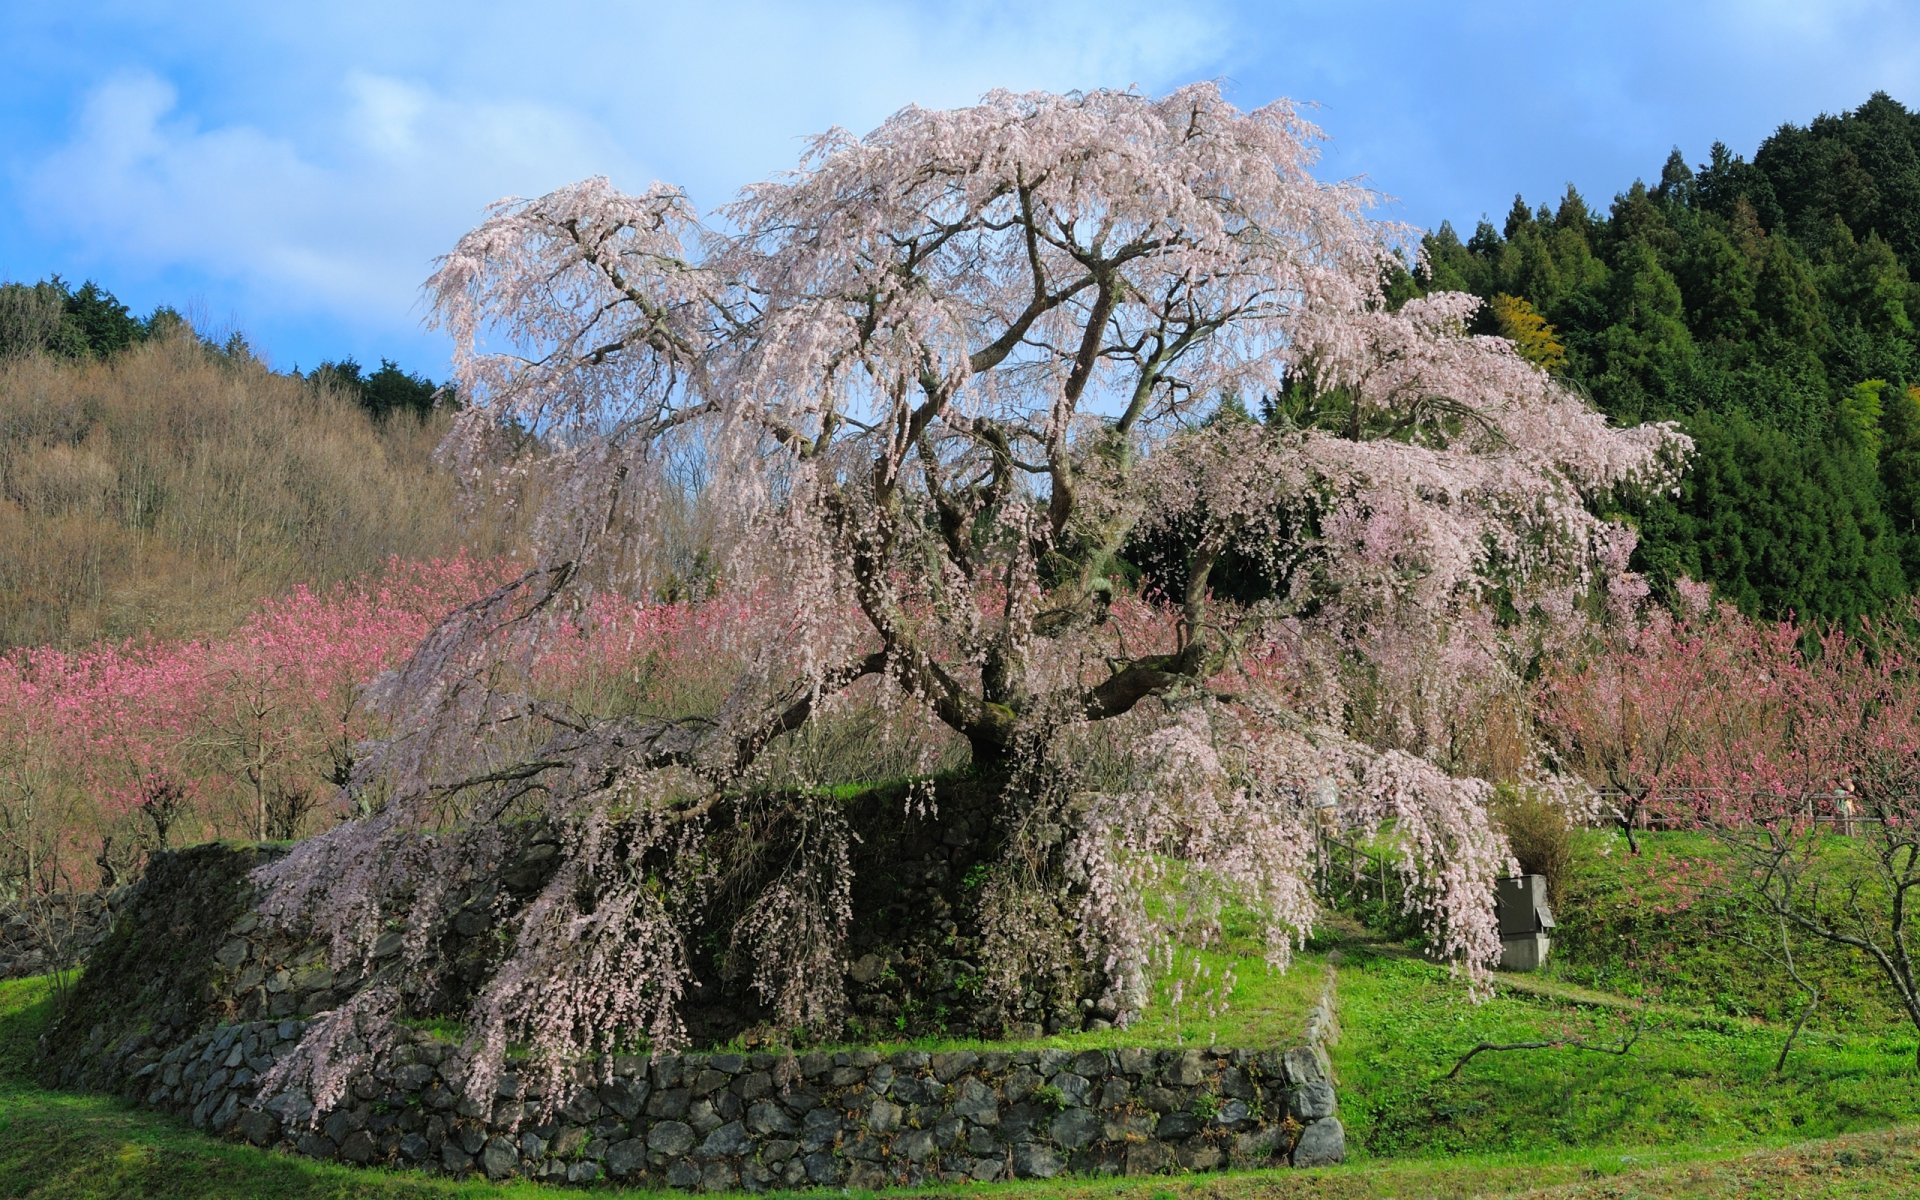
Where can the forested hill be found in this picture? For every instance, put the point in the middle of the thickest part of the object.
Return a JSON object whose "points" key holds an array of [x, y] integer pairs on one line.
{"points": [[1769, 305]]}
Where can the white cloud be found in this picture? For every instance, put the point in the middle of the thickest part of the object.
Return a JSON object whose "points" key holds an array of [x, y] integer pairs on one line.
{"points": [[334, 204]]}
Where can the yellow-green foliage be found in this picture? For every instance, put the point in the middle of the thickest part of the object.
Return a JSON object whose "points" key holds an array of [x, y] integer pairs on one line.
{"points": [[1529, 332], [168, 488]]}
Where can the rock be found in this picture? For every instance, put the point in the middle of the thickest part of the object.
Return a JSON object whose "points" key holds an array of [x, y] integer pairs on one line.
{"points": [[670, 1138], [1176, 1125], [1074, 1128], [766, 1117], [625, 1096], [499, 1158], [976, 1102], [257, 1127], [883, 1117], [1199, 1156], [1321, 1144], [626, 1158], [1311, 1101], [358, 1148], [779, 1150], [670, 1103], [950, 1066], [1034, 1161], [822, 1168], [1075, 1090], [915, 1145], [1307, 1064], [1186, 1070], [731, 1138], [315, 1145]]}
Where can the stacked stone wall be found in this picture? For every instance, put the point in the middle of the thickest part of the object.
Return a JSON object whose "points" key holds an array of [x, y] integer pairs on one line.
{"points": [[725, 1121], [190, 1002]]}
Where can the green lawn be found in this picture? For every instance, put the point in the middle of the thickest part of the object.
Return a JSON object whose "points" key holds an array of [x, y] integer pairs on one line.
{"points": [[1693, 1110]]}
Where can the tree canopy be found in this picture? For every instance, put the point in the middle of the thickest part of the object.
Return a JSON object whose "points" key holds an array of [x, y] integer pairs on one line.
{"points": [[934, 380], [1749, 300]]}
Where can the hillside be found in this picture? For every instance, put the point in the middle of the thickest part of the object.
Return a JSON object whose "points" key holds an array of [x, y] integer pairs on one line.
{"points": [[1768, 305], [163, 487]]}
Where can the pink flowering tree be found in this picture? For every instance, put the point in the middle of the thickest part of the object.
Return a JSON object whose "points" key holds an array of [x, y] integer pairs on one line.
{"points": [[1807, 773], [934, 380]]}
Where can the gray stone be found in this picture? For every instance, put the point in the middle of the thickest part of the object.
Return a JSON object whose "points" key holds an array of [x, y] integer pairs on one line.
{"points": [[626, 1157], [719, 1177], [1199, 1156], [986, 1170], [415, 1148], [1034, 1161], [670, 1137], [779, 1150], [766, 1117], [1186, 1070], [1176, 1125], [669, 1102], [950, 1066], [257, 1127], [499, 1159], [1074, 1089], [915, 1145], [583, 1172], [1148, 1158], [341, 1122], [358, 1148], [1311, 1102], [412, 1078], [883, 1117], [822, 1168], [625, 1096], [731, 1138], [683, 1173], [1321, 1144], [1074, 1128], [1307, 1064], [1090, 1063], [708, 1082], [975, 1101], [315, 1145], [753, 1085]]}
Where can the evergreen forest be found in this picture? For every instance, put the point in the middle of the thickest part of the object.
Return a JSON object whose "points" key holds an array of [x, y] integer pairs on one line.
{"points": [[1768, 305]]}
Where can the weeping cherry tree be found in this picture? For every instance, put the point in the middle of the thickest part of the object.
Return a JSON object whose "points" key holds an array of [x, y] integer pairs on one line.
{"points": [[933, 381]]}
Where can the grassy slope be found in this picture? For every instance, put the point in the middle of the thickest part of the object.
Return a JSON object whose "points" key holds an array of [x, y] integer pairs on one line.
{"points": [[1693, 1111]]}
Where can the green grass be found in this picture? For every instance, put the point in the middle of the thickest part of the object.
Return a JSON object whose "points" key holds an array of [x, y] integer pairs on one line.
{"points": [[1693, 1110], [1690, 1078], [60, 1146]]}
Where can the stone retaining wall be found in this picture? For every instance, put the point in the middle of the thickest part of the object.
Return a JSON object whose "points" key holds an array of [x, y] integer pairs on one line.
{"points": [[724, 1121], [188, 1003]]}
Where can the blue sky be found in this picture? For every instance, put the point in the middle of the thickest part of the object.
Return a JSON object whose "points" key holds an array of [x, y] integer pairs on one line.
{"points": [[290, 170]]}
